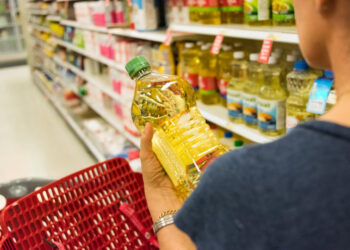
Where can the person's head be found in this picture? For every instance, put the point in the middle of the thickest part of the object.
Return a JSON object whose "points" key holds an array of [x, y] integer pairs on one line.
{"points": [[324, 30]]}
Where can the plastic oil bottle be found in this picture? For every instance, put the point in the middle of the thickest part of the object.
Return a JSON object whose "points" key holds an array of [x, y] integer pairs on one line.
{"points": [[283, 12], [209, 12], [251, 91], [232, 11], [236, 85], [183, 141], [190, 63], [207, 76], [193, 9], [257, 12], [272, 101], [225, 58], [299, 83]]}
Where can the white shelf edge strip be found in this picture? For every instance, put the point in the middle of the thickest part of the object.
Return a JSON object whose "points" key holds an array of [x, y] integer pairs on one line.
{"points": [[219, 116], [40, 28], [72, 124]]}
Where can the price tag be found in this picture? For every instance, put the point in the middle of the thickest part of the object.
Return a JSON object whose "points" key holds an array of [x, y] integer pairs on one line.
{"points": [[265, 51], [319, 95], [168, 37], [215, 48]]}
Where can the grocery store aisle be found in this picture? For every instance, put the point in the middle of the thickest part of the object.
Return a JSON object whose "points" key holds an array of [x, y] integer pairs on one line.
{"points": [[34, 141]]}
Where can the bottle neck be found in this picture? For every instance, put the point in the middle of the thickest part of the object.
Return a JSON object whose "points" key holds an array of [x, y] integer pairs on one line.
{"points": [[141, 73]]}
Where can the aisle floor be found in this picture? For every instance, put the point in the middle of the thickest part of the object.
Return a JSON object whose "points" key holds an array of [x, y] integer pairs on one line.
{"points": [[34, 139]]}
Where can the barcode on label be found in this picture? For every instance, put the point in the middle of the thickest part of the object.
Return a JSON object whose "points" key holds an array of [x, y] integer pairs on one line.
{"points": [[316, 106]]}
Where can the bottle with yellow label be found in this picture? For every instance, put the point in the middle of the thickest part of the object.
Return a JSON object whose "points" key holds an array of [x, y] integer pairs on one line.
{"points": [[182, 140], [166, 59], [224, 65], [190, 64], [232, 11], [251, 91], [193, 9], [257, 12], [236, 85], [272, 101], [209, 12], [207, 76], [283, 12]]}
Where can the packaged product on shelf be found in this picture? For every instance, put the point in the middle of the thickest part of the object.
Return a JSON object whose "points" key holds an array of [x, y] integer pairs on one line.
{"points": [[172, 12], [106, 45], [91, 66], [69, 34], [257, 12], [235, 87], [224, 66], [103, 13], [193, 10], [207, 76], [227, 140], [166, 60], [184, 11], [251, 91], [190, 64], [145, 14], [78, 39], [90, 42], [181, 135], [272, 101], [283, 12], [122, 12], [299, 83], [83, 12], [232, 11], [209, 12]]}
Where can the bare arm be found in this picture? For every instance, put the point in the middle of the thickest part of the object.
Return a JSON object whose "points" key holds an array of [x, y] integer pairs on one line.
{"points": [[161, 196]]}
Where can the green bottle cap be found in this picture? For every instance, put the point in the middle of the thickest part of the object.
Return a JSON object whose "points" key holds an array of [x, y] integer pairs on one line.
{"points": [[82, 91], [238, 143], [135, 65]]}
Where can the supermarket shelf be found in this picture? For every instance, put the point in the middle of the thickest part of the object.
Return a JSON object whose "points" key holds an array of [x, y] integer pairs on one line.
{"points": [[278, 34], [98, 82], [38, 12], [219, 116], [10, 25], [53, 18], [13, 57], [40, 28], [77, 129], [99, 58]]}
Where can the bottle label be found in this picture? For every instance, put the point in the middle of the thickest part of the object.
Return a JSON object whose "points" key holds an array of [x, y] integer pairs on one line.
{"points": [[293, 120], [264, 10], [250, 108], [231, 5], [192, 3], [223, 87], [234, 103], [208, 3], [271, 114], [192, 79], [257, 10], [283, 10], [319, 95], [207, 83]]}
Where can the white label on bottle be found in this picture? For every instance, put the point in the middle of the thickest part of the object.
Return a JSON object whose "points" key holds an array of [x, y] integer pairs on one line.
{"points": [[271, 114], [263, 10]]}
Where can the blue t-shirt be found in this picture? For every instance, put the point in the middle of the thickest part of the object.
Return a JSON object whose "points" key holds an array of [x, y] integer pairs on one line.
{"points": [[291, 194]]}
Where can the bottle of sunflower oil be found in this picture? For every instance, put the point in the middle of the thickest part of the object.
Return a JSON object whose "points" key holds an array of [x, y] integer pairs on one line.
{"points": [[283, 12], [190, 63], [232, 11], [207, 76], [257, 12], [182, 141], [224, 66], [193, 9], [272, 101], [299, 83], [236, 85], [251, 91], [209, 12]]}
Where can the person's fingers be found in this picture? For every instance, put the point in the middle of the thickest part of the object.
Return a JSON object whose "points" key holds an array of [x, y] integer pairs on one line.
{"points": [[146, 140]]}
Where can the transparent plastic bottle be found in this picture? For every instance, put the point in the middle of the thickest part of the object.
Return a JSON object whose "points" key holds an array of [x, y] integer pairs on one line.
{"points": [[235, 87], [272, 101], [251, 91], [190, 63], [207, 76], [225, 58], [232, 11], [299, 84], [257, 12], [209, 12], [193, 9], [182, 141], [283, 12]]}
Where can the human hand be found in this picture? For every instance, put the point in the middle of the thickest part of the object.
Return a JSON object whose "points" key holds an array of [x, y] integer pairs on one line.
{"points": [[159, 190]]}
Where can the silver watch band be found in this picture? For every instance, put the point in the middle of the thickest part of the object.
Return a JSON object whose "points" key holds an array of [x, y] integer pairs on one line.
{"points": [[163, 222]]}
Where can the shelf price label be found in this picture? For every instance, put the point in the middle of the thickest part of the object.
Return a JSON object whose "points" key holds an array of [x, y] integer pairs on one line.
{"points": [[265, 51], [215, 48], [168, 37]]}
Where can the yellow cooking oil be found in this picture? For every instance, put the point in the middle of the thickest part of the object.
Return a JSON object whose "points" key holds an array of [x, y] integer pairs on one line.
{"points": [[182, 141], [272, 101], [236, 85], [257, 12], [209, 12], [251, 91], [190, 64], [224, 71], [283, 12], [299, 84], [232, 11], [193, 10], [207, 76]]}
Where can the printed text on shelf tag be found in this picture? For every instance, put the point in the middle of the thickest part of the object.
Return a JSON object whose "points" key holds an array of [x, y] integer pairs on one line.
{"points": [[215, 48], [168, 38], [265, 51]]}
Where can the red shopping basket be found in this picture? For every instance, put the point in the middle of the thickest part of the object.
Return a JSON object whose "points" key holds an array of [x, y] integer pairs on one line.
{"points": [[101, 207]]}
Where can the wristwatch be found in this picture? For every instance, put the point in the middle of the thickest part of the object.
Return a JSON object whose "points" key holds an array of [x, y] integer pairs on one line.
{"points": [[165, 219]]}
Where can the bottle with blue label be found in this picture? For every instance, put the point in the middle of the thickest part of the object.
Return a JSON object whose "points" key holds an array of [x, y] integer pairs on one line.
{"points": [[236, 85], [299, 83], [272, 101], [145, 14], [252, 90]]}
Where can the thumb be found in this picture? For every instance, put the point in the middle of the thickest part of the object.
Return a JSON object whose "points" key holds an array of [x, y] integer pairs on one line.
{"points": [[146, 140]]}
